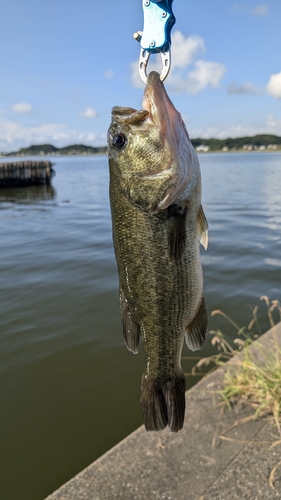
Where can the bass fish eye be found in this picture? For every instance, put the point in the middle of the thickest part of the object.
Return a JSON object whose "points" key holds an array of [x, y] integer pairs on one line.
{"points": [[118, 141]]}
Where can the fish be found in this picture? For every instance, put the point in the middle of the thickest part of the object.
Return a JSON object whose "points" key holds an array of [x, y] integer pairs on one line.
{"points": [[157, 225]]}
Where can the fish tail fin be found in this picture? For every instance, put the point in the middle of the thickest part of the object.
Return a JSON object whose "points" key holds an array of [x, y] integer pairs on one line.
{"points": [[163, 402]]}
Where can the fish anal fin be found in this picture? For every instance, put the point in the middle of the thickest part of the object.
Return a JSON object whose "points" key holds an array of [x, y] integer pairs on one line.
{"points": [[202, 228], [196, 330], [163, 402], [176, 230], [131, 329]]}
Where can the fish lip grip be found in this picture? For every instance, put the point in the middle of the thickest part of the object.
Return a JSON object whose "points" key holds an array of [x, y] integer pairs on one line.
{"points": [[158, 22], [156, 35]]}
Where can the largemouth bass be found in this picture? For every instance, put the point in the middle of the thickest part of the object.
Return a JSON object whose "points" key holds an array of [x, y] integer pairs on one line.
{"points": [[157, 222]]}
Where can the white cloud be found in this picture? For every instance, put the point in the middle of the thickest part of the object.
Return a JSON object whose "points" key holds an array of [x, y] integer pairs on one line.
{"points": [[274, 86], [273, 123], [269, 125], [260, 10], [109, 74], [22, 107], [89, 113], [204, 74], [184, 52], [243, 89], [14, 136], [15, 133]]}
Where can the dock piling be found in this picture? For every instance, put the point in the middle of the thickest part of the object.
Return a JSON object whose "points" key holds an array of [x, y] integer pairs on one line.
{"points": [[25, 173]]}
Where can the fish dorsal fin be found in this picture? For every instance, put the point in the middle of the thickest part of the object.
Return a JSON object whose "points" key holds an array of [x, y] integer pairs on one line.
{"points": [[202, 225]]}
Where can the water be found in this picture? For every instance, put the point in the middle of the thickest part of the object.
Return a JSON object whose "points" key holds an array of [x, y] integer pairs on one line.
{"points": [[69, 389]]}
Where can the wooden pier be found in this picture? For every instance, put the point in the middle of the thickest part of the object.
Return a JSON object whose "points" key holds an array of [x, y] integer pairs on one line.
{"points": [[25, 173]]}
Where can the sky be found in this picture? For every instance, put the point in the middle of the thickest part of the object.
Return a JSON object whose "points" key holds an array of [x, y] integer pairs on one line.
{"points": [[64, 65]]}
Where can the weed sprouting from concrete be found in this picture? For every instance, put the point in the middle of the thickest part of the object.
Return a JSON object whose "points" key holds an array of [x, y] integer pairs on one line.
{"points": [[253, 375]]}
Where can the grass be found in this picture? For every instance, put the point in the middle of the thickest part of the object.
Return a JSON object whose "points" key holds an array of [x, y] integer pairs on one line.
{"points": [[253, 377], [254, 374]]}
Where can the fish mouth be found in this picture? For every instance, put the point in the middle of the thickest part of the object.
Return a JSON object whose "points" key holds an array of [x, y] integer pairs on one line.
{"points": [[171, 127], [157, 102], [155, 97], [129, 116], [157, 108], [158, 111]]}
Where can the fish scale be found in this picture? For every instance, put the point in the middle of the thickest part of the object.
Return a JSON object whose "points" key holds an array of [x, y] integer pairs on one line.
{"points": [[157, 222]]}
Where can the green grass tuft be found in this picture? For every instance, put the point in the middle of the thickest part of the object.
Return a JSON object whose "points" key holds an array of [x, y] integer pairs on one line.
{"points": [[253, 376], [254, 373]]}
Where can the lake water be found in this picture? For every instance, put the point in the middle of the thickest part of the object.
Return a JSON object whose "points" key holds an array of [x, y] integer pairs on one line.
{"points": [[69, 389]]}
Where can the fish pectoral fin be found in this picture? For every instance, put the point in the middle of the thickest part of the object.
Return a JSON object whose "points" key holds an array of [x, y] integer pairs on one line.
{"points": [[163, 402], [176, 230], [131, 329], [202, 228], [197, 329]]}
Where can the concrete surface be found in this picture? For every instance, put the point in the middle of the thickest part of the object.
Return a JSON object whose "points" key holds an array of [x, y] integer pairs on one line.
{"points": [[194, 464]]}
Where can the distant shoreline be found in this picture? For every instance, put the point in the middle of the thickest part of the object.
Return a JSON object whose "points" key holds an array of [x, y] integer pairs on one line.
{"points": [[214, 151], [257, 143], [53, 151]]}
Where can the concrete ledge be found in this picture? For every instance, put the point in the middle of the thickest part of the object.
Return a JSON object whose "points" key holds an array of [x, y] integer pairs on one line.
{"points": [[185, 466]]}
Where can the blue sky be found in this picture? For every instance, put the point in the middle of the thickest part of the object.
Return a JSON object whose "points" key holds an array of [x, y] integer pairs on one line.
{"points": [[64, 65]]}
